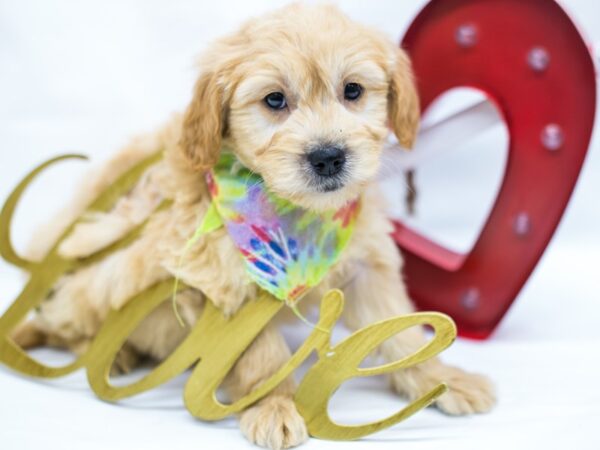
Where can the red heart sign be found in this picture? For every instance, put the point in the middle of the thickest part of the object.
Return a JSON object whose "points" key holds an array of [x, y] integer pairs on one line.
{"points": [[529, 58]]}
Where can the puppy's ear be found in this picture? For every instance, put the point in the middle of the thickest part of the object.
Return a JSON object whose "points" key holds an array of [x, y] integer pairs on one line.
{"points": [[404, 109], [204, 123]]}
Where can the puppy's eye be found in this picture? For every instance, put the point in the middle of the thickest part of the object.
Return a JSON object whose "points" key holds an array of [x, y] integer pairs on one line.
{"points": [[276, 100], [352, 91]]}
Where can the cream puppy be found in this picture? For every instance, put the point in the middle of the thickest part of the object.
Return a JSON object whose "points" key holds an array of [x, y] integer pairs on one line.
{"points": [[304, 97]]}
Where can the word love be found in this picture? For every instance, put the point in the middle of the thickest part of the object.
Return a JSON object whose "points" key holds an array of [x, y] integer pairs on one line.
{"points": [[215, 342]]}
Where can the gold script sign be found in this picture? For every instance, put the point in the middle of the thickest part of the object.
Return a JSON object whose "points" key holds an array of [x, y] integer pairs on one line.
{"points": [[215, 342]]}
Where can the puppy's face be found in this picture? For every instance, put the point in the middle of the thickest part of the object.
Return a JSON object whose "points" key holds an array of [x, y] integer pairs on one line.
{"points": [[304, 97]]}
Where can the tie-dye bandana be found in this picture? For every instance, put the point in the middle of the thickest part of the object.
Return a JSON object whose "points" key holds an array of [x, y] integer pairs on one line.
{"points": [[287, 249]]}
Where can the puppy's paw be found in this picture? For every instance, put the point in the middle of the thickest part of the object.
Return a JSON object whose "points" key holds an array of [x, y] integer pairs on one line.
{"points": [[28, 335], [467, 393], [274, 423], [126, 360], [97, 232]]}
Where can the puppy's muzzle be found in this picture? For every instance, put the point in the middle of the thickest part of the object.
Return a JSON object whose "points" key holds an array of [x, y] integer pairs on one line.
{"points": [[327, 161]]}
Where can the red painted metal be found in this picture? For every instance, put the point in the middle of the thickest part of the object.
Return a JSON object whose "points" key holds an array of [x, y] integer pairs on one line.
{"points": [[497, 37]]}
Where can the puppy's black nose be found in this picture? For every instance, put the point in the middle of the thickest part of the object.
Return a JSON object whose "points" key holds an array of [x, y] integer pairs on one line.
{"points": [[327, 161]]}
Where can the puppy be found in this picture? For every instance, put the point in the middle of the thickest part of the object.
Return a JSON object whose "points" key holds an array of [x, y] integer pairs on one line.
{"points": [[297, 81]]}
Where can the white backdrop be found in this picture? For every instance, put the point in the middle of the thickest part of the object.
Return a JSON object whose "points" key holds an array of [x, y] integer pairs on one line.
{"points": [[86, 76]]}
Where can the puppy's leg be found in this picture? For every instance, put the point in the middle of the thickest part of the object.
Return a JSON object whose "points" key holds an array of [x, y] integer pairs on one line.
{"points": [[126, 360], [93, 184], [273, 422], [80, 302], [159, 334], [28, 335], [99, 230], [129, 271], [377, 293]]}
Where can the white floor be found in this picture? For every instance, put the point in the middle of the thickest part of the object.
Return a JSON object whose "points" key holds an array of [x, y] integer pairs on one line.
{"points": [[85, 77]]}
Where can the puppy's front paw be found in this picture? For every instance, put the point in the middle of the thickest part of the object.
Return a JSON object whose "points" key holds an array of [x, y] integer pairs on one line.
{"points": [[274, 423], [96, 233], [468, 393]]}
